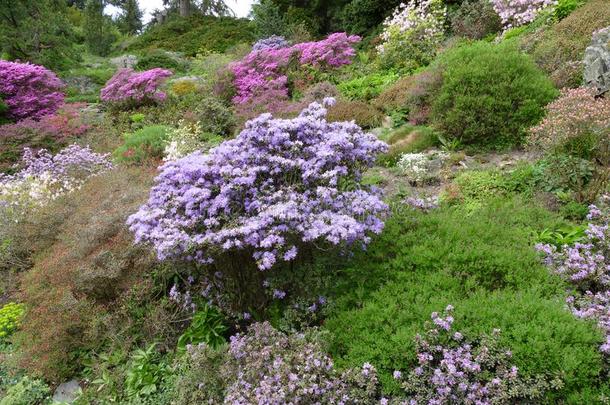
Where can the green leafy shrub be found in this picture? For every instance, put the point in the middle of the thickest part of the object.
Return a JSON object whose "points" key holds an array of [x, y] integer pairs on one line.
{"points": [[485, 266], [365, 115], [366, 87], [143, 144], [26, 392], [190, 35], [146, 372], [491, 94], [565, 7], [559, 49], [214, 117], [206, 327], [476, 19], [159, 59], [10, 317]]}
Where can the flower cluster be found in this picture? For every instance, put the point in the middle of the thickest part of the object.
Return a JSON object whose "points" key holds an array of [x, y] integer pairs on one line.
{"points": [[423, 204], [273, 42], [265, 70], [186, 139], [128, 88], [454, 370], [269, 367], [274, 186], [515, 13], [576, 113], [29, 91], [45, 177], [418, 167], [414, 31], [586, 266]]}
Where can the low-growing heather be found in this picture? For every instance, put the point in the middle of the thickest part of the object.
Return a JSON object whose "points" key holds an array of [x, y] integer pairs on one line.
{"points": [[362, 113], [128, 89], [251, 202], [29, 91], [147, 143], [491, 94]]}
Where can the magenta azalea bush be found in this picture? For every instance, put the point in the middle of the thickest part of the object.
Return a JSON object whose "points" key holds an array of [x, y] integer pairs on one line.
{"points": [[279, 184], [454, 370], [29, 91], [128, 88], [265, 68], [586, 266], [515, 13]]}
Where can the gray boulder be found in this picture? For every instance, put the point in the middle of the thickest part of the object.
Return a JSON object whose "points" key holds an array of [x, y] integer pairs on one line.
{"points": [[67, 392], [125, 61], [597, 61]]}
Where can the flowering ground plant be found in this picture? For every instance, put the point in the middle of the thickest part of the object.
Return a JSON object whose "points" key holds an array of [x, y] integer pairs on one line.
{"points": [[252, 201], [45, 177], [186, 139], [420, 167], [585, 265], [29, 91], [127, 88], [453, 369]]}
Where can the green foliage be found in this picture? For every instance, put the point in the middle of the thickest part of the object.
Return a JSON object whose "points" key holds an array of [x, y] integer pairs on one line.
{"points": [[491, 94], [206, 327], [191, 35], [213, 116], [146, 372], [26, 392], [142, 145], [3, 111], [366, 87], [159, 59], [476, 19], [100, 33], [565, 7], [10, 317], [365, 115], [202, 367], [267, 20], [566, 235], [485, 265], [407, 139], [38, 32]]}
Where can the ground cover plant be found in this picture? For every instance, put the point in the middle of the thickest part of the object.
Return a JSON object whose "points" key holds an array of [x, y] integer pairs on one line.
{"points": [[346, 201]]}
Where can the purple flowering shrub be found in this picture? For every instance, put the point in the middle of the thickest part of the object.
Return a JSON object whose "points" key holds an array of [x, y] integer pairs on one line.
{"points": [[265, 366], [586, 266], [452, 369], [273, 42], [127, 88], [266, 69], [255, 201], [29, 91]]}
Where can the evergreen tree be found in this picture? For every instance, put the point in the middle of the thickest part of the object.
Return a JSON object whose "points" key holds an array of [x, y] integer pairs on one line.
{"points": [[98, 28], [131, 20], [37, 31]]}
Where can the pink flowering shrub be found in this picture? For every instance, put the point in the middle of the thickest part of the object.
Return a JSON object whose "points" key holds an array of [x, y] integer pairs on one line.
{"points": [[515, 13], [266, 68], [585, 266], [570, 120], [29, 91], [265, 366], [49, 132], [127, 89], [253, 201], [454, 370]]}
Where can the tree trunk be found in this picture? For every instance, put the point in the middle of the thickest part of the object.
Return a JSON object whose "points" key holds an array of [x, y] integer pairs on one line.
{"points": [[185, 8]]}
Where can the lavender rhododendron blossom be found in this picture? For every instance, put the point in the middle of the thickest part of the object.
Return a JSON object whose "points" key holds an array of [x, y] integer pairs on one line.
{"points": [[265, 69], [29, 91], [131, 88], [586, 266], [279, 184], [453, 370], [273, 42], [515, 13]]}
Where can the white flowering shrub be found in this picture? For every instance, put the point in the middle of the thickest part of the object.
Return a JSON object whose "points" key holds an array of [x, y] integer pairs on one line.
{"points": [[412, 34], [515, 13], [186, 139]]}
